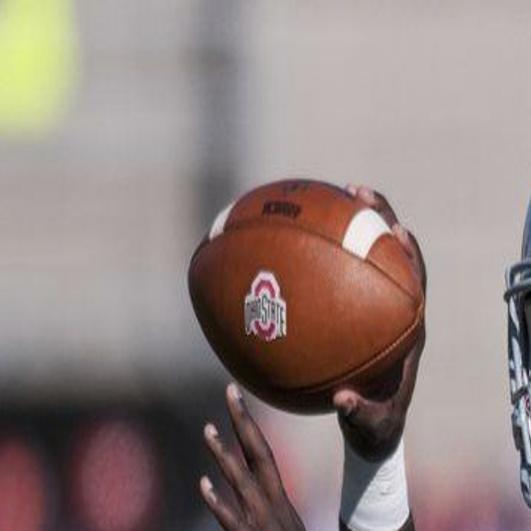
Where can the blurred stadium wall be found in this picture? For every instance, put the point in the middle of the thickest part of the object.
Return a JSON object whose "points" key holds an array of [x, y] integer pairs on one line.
{"points": [[170, 108]]}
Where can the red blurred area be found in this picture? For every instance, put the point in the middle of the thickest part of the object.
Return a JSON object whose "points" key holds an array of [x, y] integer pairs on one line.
{"points": [[116, 481], [23, 503]]}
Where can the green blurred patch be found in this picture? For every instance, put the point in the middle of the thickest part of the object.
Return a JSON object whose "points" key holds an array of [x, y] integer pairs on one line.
{"points": [[37, 63]]}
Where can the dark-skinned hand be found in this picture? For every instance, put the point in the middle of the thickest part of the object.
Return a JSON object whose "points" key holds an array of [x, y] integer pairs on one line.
{"points": [[373, 427], [261, 501]]}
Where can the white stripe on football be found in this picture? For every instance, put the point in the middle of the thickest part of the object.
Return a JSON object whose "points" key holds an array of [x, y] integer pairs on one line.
{"points": [[365, 228]]}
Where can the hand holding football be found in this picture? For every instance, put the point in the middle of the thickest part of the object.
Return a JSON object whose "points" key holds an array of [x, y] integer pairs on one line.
{"points": [[301, 288]]}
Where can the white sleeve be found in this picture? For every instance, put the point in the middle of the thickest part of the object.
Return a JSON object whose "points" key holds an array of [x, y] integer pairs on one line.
{"points": [[374, 495]]}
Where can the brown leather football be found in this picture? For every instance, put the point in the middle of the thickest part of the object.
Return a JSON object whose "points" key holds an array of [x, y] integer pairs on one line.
{"points": [[300, 288]]}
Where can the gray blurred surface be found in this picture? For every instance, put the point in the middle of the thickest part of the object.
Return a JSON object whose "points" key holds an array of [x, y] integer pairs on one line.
{"points": [[428, 102]]}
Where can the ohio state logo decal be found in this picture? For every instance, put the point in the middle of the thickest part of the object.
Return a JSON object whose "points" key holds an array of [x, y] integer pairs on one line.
{"points": [[265, 310]]}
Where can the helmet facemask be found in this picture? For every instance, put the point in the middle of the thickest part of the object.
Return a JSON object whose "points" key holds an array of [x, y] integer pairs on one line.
{"points": [[518, 298]]}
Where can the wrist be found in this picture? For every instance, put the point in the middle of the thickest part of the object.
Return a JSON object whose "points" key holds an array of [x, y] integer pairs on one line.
{"points": [[374, 494]]}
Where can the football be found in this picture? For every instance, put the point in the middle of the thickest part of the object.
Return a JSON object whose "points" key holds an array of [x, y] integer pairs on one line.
{"points": [[301, 288]]}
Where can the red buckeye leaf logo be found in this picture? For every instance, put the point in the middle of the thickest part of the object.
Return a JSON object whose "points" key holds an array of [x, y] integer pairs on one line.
{"points": [[265, 311]]}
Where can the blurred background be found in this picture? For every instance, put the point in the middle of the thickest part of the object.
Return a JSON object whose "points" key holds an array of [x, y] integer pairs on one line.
{"points": [[125, 126]]}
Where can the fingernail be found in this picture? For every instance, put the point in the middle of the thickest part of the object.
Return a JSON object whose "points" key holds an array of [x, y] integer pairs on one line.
{"points": [[352, 190], [211, 432], [367, 195], [346, 407], [234, 392], [207, 488]]}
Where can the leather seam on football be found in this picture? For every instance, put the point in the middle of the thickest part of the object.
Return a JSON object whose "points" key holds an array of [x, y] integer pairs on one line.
{"points": [[311, 389], [239, 225], [389, 277]]}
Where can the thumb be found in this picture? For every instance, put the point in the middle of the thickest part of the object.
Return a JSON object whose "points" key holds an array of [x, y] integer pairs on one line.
{"points": [[371, 428], [353, 409]]}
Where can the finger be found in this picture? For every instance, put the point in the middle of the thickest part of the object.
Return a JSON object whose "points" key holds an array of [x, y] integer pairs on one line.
{"points": [[227, 517], [234, 471], [409, 373], [402, 236], [374, 200], [353, 408], [370, 425], [367, 195], [358, 414], [255, 448], [352, 189], [411, 246], [420, 260], [378, 202]]}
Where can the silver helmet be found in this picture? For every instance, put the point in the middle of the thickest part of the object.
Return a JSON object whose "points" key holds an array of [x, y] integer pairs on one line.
{"points": [[518, 298]]}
